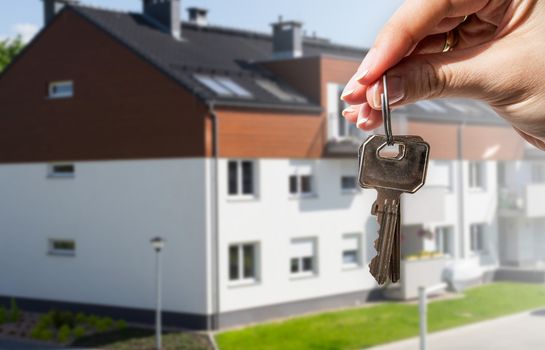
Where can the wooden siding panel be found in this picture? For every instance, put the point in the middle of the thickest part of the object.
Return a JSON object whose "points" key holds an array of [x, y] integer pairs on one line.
{"points": [[490, 142], [123, 107], [255, 134], [442, 138]]}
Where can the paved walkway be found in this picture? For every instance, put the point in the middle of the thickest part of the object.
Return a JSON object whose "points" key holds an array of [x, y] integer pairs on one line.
{"points": [[522, 331]]}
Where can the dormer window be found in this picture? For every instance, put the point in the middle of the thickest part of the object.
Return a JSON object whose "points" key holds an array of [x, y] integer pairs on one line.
{"points": [[61, 89]]}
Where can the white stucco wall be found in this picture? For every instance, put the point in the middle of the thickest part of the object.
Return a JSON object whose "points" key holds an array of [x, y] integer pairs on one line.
{"points": [[111, 209], [273, 219]]}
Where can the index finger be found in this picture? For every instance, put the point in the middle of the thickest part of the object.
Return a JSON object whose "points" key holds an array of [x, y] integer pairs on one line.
{"points": [[412, 22]]}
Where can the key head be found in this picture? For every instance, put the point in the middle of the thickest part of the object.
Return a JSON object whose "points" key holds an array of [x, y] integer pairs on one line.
{"points": [[405, 172]]}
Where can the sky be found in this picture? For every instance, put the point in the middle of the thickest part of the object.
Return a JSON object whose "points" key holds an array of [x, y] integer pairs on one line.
{"points": [[352, 22]]}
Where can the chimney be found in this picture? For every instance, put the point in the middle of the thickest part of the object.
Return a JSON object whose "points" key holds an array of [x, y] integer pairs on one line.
{"points": [[287, 39], [198, 16], [52, 7], [166, 13]]}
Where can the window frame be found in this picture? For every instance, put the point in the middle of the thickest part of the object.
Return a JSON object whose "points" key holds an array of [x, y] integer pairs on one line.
{"points": [[350, 190], [241, 268], [55, 96], [472, 241], [52, 250], [301, 273], [359, 256], [240, 179], [444, 234], [52, 173], [299, 185], [537, 172], [476, 174]]}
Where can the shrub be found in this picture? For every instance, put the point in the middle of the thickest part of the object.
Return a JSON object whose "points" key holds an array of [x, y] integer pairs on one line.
{"points": [[41, 333], [81, 318], [79, 332], [14, 311], [93, 321], [3, 317], [64, 334], [61, 318], [104, 324], [121, 324]]}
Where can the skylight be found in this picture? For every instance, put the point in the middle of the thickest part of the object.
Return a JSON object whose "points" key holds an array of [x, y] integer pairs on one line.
{"points": [[234, 87], [223, 86], [275, 90]]}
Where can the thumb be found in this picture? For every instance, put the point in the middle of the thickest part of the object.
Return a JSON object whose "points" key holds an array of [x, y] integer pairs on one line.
{"points": [[420, 77]]}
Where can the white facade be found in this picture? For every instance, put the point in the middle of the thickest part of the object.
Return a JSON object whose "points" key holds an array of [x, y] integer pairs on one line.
{"points": [[110, 209]]}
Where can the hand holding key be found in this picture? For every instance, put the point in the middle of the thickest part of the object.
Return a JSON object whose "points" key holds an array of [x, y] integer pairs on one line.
{"points": [[391, 175], [489, 50]]}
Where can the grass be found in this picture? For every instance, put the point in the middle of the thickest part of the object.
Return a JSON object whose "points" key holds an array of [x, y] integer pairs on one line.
{"points": [[370, 326], [142, 339]]}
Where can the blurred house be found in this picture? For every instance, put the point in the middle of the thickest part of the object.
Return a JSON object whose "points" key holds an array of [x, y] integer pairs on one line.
{"points": [[117, 127]]}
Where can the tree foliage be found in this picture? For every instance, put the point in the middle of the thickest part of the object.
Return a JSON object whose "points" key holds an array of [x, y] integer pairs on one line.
{"points": [[9, 48]]}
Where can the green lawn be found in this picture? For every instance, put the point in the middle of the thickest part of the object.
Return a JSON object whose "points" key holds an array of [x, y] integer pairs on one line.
{"points": [[365, 327]]}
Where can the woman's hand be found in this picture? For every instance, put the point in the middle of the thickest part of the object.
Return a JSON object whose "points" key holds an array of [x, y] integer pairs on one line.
{"points": [[499, 58]]}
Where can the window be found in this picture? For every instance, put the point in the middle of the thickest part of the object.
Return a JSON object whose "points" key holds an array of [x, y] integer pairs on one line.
{"points": [[222, 86], [502, 182], [61, 170], [476, 175], [349, 183], [61, 89], [477, 238], [443, 236], [64, 247], [300, 185], [351, 247], [274, 89], [538, 172], [303, 257], [243, 262], [338, 127], [240, 178]]}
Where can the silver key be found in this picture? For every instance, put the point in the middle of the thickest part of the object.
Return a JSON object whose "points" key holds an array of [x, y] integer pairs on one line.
{"points": [[391, 176]]}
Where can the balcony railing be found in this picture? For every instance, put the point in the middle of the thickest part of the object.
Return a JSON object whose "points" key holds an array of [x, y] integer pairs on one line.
{"points": [[527, 202]]}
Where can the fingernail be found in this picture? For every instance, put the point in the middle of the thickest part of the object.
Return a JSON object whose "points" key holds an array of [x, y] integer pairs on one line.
{"points": [[396, 91], [363, 116], [348, 110], [349, 88], [366, 65]]}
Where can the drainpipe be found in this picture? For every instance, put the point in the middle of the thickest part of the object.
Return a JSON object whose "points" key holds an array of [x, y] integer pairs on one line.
{"points": [[461, 189], [215, 218]]}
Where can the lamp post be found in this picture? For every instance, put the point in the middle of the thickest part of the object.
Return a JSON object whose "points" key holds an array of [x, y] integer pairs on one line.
{"points": [[157, 243]]}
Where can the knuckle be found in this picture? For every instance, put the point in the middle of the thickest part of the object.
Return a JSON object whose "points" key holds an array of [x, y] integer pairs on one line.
{"points": [[433, 79]]}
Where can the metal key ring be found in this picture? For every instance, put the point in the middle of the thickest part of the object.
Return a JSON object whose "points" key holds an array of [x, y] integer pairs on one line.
{"points": [[386, 113]]}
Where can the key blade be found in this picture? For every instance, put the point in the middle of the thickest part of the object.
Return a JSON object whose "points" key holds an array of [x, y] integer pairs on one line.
{"points": [[386, 208]]}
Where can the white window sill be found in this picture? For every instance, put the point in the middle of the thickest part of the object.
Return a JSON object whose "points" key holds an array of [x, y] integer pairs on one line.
{"points": [[60, 176], [351, 267], [242, 198], [302, 276], [61, 253], [351, 191], [476, 190], [243, 283], [59, 97]]}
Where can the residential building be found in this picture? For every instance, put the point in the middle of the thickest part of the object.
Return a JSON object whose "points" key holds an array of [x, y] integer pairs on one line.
{"points": [[117, 127]]}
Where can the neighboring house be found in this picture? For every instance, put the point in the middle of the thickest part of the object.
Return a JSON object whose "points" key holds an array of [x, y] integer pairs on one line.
{"points": [[117, 127]]}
